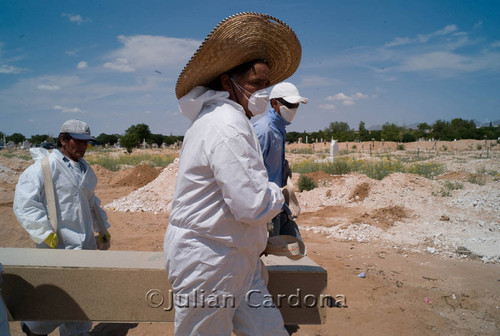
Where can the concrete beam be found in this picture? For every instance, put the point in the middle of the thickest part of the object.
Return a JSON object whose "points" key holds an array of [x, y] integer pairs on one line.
{"points": [[131, 286]]}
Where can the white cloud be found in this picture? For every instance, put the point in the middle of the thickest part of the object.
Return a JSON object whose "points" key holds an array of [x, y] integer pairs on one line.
{"points": [[398, 41], [347, 100], [421, 38], [119, 64], [327, 107], [67, 109], [447, 52], [150, 52], [442, 60], [82, 65], [441, 32], [76, 18], [9, 69], [307, 81], [48, 87]]}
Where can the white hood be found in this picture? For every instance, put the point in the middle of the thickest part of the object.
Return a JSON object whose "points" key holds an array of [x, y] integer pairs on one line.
{"points": [[191, 104]]}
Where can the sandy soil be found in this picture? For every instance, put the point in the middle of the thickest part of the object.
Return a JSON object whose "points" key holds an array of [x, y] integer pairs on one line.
{"points": [[431, 262]]}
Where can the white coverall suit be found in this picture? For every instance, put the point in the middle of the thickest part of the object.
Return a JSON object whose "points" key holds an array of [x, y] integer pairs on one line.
{"points": [[218, 225], [75, 198]]}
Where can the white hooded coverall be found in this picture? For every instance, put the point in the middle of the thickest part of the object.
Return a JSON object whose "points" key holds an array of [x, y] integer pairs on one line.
{"points": [[218, 224], [75, 198]]}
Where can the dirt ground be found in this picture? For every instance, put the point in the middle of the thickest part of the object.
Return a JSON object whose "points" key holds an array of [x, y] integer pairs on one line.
{"points": [[432, 262]]}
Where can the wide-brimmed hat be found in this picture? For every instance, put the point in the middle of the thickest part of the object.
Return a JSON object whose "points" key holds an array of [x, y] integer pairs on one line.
{"points": [[77, 129], [238, 39]]}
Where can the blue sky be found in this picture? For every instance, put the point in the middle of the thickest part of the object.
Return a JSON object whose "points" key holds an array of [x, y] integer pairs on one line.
{"points": [[115, 63]]}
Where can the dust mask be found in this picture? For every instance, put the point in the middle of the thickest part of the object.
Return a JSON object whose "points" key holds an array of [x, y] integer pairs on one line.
{"points": [[288, 113], [257, 103]]}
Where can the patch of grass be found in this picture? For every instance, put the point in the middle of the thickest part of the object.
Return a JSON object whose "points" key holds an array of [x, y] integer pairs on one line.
{"points": [[429, 170], [302, 151], [373, 169], [306, 183], [114, 164], [339, 166], [449, 185], [447, 188], [379, 169], [400, 147], [442, 193], [493, 173], [479, 146], [23, 155], [478, 179], [414, 157]]}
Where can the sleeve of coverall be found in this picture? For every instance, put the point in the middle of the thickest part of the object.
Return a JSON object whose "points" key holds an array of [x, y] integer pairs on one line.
{"points": [[29, 208], [240, 173], [95, 204]]}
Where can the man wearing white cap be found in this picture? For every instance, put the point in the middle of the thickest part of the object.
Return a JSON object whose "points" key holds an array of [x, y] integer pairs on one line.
{"points": [[271, 131], [78, 212]]}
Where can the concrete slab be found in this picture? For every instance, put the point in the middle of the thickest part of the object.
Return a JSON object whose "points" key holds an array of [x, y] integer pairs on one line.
{"points": [[132, 286]]}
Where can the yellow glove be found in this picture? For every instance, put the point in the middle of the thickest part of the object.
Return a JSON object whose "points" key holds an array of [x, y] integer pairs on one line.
{"points": [[103, 241], [52, 240]]}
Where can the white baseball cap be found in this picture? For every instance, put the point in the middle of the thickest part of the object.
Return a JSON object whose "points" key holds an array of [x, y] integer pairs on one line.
{"points": [[288, 92], [77, 129]]}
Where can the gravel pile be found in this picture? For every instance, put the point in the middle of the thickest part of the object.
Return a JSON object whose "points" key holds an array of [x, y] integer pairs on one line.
{"points": [[8, 175], [155, 196]]}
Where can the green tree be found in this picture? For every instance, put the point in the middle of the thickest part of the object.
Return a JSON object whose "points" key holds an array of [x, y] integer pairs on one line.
{"points": [[15, 137], [110, 139], [391, 132], [364, 134], [340, 131], [39, 138], [441, 130], [140, 131], [422, 131], [157, 139], [409, 137], [292, 137], [129, 141]]}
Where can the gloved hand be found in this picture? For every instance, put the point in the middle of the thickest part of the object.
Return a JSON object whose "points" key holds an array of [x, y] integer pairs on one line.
{"points": [[52, 240], [103, 241]]}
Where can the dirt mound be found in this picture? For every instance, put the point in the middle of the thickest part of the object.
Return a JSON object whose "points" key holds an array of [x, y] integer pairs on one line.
{"points": [[138, 177], [322, 179], [103, 174], [385, 218], [458, 176], [330, 216], [15, 163], [360, 192]]}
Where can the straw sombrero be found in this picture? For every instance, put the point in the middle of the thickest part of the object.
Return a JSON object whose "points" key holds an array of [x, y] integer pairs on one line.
{"points": [[238, 39]]}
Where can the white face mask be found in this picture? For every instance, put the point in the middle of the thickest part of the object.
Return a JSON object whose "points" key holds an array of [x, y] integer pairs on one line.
{"points": [[288, 113], [257, 103]]}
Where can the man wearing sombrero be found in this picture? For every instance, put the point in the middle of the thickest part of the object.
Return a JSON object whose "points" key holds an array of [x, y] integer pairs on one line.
{"points": [[223, 199]]}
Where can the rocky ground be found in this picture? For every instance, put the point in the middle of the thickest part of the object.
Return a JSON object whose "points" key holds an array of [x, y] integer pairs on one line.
{"points": [[430, 254]]}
